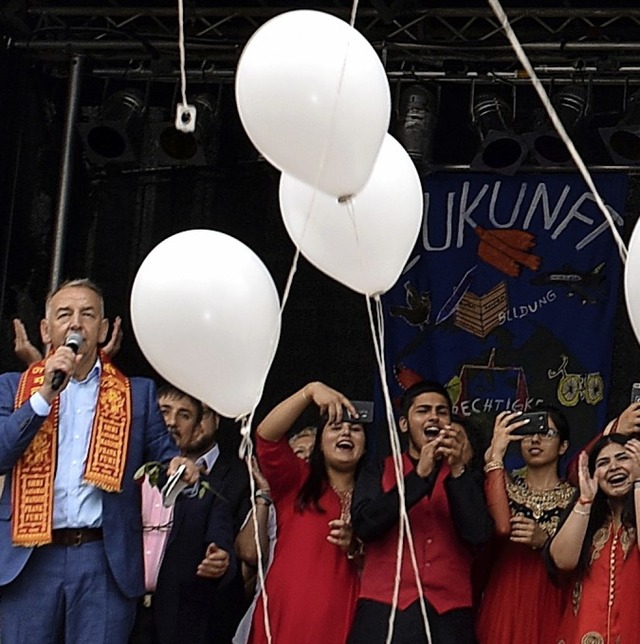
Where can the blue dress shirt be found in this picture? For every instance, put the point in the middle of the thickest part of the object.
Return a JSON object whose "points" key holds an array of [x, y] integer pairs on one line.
{"points": [[76, 504]]}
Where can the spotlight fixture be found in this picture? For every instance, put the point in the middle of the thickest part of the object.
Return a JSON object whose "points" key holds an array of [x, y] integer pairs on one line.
{"points": [[546, 145], [113, 133], [501, 150], [171, 147], [417, 118], [623, 140]]}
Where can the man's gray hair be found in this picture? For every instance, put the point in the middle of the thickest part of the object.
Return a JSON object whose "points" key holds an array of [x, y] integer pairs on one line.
{"points": [[83, 282]]}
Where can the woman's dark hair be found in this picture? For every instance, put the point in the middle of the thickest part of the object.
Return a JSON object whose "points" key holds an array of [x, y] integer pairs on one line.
{"points": [[600, 509], [559, 420], [317, 480]]}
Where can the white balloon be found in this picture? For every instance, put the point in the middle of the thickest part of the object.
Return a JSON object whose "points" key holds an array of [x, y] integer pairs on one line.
{"points": [[206, 314], [314, 99], [364, 242], [632, 280]]}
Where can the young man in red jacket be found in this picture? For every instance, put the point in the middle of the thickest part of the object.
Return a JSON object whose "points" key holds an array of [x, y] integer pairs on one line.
{"points": [[448, 518]]}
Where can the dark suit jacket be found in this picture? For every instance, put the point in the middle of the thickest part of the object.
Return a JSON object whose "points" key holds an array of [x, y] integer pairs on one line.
{"points": [[184, 603], [231, 479], [121, 521]]}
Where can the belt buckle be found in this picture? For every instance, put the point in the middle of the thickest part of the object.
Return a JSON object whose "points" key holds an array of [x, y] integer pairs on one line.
{"points": [[77, 539], [147, 600]]}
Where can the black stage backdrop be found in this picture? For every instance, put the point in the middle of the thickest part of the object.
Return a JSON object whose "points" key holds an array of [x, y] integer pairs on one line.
{"points": [[118, 214]]}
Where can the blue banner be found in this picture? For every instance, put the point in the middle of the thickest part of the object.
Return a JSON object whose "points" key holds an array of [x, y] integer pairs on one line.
{"points": [[510, 294]]}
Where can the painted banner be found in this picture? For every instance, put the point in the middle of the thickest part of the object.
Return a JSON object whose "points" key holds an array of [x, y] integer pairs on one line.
{"points": [[510, 294]]}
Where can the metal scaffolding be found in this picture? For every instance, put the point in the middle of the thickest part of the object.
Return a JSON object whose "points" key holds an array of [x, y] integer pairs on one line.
{"points": [[458, 44]]}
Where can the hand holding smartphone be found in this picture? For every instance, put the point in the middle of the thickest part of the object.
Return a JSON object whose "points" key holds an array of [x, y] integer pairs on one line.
{"points": [[364, 409], [173, 487], [538, 423]]}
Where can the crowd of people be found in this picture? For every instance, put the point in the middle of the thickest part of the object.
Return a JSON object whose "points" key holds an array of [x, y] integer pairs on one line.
{"points": [[438, 543]]}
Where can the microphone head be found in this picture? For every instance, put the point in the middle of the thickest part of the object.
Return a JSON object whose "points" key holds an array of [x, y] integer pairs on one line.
{"points": [[74, 341]]}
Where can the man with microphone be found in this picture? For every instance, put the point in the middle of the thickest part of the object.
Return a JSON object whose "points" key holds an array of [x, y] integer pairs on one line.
{"points": [[73, 431]]}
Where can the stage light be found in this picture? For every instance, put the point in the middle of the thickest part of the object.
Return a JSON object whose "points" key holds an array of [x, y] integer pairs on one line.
{"points": [[623, 140], [417, 117], [170, 147], [546, 145], [501, 149], [113, 133]]}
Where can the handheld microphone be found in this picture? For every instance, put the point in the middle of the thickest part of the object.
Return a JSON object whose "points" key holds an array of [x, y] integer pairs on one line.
{"points": [[74, 342]]}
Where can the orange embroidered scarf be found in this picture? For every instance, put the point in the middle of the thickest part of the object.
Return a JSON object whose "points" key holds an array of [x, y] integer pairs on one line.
{"points": [[33, 474]]}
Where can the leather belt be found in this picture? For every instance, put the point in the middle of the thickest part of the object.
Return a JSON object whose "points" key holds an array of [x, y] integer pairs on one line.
{"points": [[74, 537]]}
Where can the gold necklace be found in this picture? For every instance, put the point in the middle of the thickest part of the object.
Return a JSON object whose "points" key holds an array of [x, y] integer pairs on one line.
{"points": [[344, 496]]}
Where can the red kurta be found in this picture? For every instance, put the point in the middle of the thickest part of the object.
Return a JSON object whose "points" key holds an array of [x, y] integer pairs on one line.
{"points": [[605, 608], [520, 603], [311, 585]]}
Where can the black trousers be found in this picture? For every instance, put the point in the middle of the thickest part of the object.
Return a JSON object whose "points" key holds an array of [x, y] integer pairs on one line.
{"points": [[371, 624], [144, 628]]}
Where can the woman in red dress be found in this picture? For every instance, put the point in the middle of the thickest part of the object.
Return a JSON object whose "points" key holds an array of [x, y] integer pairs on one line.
{"points": [[597, 544], [520, 603], [312, 584]]}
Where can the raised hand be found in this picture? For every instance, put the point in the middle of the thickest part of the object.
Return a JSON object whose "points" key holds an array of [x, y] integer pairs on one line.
{"points": [[22, 345], [588, 484], [258, 476], [115, 341], [451, 447], [629, 420], [503, 436], [633, 449], [329, 401], [427, 461]]}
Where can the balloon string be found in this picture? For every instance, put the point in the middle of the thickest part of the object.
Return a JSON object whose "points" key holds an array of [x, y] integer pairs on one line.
{"points": [[414, 561], [292, 272], [323, 160], [555, 119], [352, 218], [354, 11], [246, 452], [404, 524], [183, 73], [334, 111]]}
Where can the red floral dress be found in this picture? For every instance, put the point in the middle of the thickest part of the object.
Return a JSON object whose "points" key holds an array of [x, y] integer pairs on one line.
{"points": [[604, 607], [520, 603]]}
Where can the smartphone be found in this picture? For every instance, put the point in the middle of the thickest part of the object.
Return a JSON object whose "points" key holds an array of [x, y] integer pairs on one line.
{"points": [[537, 424], [173, 487], [635, 392], [364, 409]]}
